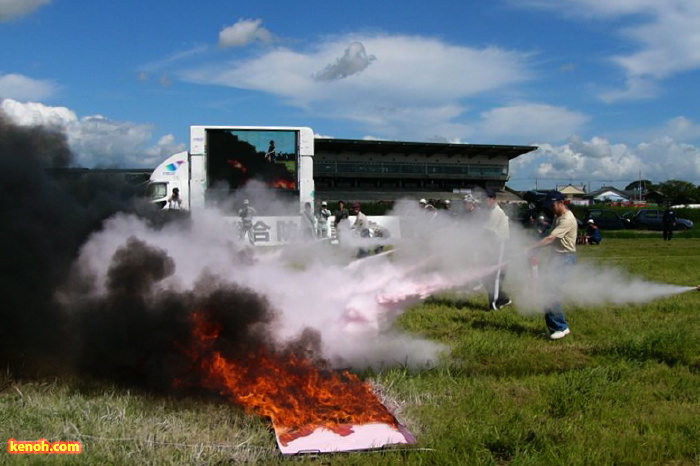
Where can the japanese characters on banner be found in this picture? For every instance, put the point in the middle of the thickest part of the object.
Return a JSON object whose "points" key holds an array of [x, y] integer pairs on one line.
{"points": [[271, 231], [274, 231]]}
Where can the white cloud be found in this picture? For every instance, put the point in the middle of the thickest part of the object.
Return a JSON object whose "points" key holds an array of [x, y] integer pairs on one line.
{"points": [[601, 161], [243, 33], [672, 159], [670, 43], [679, 128], [35, 114], [147, 69], [530, 122], [666, 33], [96, 140], [635, 88], [20, 87], [408, 75], [10, 9]]}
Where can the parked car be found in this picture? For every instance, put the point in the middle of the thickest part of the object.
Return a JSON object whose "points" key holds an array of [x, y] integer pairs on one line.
{"points": [[607, 219], [652, 219]]}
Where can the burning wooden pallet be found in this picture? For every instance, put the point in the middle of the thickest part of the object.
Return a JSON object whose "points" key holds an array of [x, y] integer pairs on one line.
{"points": [[344, 437], [312, 409]]}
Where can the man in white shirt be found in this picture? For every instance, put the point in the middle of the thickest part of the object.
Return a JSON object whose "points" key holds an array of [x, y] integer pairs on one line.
{"points": [[360, 227], [498, 232]]}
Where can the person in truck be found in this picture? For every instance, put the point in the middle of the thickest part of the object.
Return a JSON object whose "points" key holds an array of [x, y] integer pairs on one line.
{"points": [[175, 201]]}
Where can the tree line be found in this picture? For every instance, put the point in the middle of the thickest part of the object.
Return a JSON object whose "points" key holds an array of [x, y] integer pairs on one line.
{"points": [[673, 191]]}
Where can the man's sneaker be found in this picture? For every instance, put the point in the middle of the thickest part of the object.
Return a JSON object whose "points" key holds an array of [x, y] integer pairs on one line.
{"points": [[496, 305], [503, 304], [558, 335]]}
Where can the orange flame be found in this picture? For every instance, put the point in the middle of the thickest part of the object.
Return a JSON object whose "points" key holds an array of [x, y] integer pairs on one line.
{"points": [[238, 165], [282, 183], [287, 388]]}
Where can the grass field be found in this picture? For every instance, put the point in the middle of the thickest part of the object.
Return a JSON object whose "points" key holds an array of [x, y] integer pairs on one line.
{"points": [[623, 388]]}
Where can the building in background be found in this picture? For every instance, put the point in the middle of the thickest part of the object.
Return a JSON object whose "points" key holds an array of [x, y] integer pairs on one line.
{"points": [[372, 171], [369, 170]]}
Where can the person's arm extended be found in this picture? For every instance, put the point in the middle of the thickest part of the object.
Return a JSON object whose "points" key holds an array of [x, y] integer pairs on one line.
{"points": [[546, 241]]}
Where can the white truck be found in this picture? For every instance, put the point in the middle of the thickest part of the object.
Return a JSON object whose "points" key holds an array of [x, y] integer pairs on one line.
{"points": [[222, 159]]}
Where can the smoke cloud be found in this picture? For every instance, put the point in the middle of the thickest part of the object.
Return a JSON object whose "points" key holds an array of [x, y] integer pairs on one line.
{"points": [[46, 219], [353, 61], [98, 283]]}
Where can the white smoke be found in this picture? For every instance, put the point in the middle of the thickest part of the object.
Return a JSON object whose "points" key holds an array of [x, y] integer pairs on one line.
{"points": [[585, 284], [307, 284], [354, 305]]}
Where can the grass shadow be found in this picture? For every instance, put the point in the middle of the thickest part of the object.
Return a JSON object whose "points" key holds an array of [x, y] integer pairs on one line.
{"points": [[516, 328]]}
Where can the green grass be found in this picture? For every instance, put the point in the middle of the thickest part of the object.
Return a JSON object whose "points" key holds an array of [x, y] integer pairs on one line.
{"points": [[623, 388]]}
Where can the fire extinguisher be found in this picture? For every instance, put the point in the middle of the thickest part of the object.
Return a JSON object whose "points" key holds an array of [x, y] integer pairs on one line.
{"points": [[534, 265]]}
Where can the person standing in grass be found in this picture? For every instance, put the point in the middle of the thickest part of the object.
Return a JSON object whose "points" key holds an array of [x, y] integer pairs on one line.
{"points": [[669, 222], [562, 238], [498, 233], [360, 227], [308, 222], [341, 215], [322, 221]]}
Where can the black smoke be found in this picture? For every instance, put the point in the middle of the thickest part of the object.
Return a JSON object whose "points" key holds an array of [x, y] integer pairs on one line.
{"points": [[138, 333], [40, 233], [54, 320], [43, 223]]}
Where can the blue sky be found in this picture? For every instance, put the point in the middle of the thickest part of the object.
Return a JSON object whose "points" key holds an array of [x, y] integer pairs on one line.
{"points": [[606, 89]]}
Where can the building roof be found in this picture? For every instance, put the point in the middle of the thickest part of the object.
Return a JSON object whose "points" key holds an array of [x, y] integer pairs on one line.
{"points": [[571, 189], [425, 148], [606, 192]]}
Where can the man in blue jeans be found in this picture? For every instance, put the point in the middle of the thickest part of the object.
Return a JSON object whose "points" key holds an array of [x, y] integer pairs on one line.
{"points": [[562, 238]]}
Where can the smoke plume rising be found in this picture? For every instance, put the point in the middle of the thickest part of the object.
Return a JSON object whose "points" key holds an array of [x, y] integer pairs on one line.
{"points": [[97, 283]]}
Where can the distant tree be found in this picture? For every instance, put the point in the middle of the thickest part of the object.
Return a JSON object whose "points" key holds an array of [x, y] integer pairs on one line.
{"points": [[646, 185], [640, 188], [679, 192]]}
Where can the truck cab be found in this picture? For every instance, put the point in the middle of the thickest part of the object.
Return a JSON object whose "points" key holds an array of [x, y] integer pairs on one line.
{"points": [[172, 173], [223, 159]]}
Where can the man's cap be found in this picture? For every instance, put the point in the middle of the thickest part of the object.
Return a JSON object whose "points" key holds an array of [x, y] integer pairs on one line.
{"points": [[422, 201], [490, 193], [324, 203], [552, 197], [246, 202], [469, 198], [447, 201], [356, 205], [590, 220]]}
